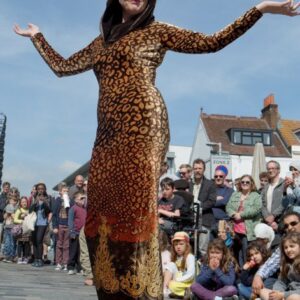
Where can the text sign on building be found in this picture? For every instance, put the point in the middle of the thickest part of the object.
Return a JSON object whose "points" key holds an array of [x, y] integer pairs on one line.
{"points": [[221, 160]]}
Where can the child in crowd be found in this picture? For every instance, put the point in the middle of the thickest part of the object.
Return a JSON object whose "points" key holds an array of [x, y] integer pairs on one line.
{"points": [[225, 233], [287, 287], [23, 241], [180, 272], [76, 221], [257, 254], [60, 228], [164, 247], [217, 275], [44, 214], [9, 243], [169, 206]]}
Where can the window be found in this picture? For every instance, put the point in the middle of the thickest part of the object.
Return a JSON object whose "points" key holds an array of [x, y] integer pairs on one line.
{"points": [[251, 137], [298, 134]]}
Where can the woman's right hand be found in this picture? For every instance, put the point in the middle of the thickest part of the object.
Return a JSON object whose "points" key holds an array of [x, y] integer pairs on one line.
{"points": [[30, 31]]}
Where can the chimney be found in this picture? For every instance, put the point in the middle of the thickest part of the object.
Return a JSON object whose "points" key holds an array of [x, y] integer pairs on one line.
{"points": [[270, 112]]}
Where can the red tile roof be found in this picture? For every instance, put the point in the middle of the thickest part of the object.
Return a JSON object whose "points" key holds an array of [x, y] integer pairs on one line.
{"points": [[287, 129], [217, 127]]}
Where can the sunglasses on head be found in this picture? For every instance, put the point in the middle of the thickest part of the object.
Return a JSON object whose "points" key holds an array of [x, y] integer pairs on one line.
{"points": [[219, 176], [293, 169], [245, 182], [293, 224]]}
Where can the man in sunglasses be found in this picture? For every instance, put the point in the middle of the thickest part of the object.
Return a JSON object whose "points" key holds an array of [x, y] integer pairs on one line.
{"points": [[263, 278], [272, 195], [223, 194]]}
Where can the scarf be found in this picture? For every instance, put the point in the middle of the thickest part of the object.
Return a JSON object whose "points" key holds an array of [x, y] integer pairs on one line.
{"points": [[111, 25]]}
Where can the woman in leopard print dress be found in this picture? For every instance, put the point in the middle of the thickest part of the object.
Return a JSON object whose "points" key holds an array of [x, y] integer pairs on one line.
{"points": [[132, 135]]}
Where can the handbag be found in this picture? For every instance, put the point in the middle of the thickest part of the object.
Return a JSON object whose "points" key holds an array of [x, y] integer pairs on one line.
{"points": [[29, 222], [17, 230]]}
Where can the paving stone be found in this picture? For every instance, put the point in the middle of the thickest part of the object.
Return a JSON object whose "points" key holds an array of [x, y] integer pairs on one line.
{"points": [[24, 282]]}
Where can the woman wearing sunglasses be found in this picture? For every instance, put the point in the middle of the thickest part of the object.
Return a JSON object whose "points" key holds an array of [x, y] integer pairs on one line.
{"points": [[244, 208]]}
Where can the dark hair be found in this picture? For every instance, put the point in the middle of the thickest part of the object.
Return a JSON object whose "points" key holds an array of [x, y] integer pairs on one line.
{"points": [[5, 184], [286, 262], [227, 260], [79, 193], [261, 247], [14, 194], [199, 161], [167, 181], [263, 175], [289, 213], [44, 185], [163, 240]]}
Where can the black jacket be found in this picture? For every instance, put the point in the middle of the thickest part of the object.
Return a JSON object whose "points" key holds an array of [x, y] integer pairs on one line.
{"points": [[207, 197]]}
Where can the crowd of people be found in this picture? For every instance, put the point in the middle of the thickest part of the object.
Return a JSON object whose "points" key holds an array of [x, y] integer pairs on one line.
{"points": [[58, 223], [245, 239], [218, 239]]}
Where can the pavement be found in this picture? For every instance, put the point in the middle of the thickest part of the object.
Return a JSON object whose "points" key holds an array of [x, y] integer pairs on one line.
{"points": [[24, 282]]}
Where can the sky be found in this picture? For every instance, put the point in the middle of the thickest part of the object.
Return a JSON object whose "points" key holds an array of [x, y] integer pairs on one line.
{"points": [[51, 121]]}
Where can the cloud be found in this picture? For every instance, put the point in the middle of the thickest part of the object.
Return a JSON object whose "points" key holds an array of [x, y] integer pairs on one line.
{"points": [[69, 166]]}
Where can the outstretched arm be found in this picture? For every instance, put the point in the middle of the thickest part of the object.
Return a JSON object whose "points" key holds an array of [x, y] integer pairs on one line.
{"points": [[287, 7], [77, 63], [187, 41]]}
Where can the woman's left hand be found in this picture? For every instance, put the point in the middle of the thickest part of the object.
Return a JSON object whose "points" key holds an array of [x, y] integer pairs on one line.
{"points": [[237, 217], [276, 295], [287, 7]]}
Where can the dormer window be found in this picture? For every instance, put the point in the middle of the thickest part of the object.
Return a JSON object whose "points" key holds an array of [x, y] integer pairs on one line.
{"points": [[297, 133], [251, 137]]}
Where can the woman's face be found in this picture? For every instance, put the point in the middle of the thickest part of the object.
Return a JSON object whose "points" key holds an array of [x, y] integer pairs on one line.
{"points": [[215, 253], [291, 249], [256, 256], [246, 184], [23, 203], [179, 247], [132, 7]]}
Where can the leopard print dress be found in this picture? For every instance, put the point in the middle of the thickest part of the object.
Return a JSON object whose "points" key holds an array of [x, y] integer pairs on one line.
{"points": [[131, 143]]}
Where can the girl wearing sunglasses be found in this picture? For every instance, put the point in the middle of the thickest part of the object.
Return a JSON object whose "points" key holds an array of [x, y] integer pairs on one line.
{"points": [[244, 209]]}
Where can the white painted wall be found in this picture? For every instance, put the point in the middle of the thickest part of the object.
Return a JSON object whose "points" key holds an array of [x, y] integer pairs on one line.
{"points": [[182, 154], [243, 165], [200, 149]]}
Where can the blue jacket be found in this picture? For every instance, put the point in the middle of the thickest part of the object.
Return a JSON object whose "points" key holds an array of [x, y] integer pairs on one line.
{"points": [[56, 220], [219, 209], [215, 279]]}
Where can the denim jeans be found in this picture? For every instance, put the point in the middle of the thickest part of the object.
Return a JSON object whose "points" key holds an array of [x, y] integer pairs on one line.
{"points": [[1, 233], [9, 243], [245, 291]]}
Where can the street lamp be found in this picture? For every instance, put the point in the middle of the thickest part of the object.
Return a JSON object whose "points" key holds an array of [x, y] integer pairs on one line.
{"points": [[216, 144]]}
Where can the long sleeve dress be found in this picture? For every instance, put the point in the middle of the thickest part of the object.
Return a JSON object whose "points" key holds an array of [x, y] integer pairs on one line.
{"points": [[131, 142]]}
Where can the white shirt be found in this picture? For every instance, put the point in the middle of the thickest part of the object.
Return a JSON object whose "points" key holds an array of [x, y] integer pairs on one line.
{"points": [[270, 195]]}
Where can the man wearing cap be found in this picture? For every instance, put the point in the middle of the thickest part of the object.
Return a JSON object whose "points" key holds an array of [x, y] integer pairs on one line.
{"points": [[292, 186], [263, 277]]}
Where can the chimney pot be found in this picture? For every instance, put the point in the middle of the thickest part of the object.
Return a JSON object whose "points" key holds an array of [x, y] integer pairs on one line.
{"points": [[269, 100]]}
